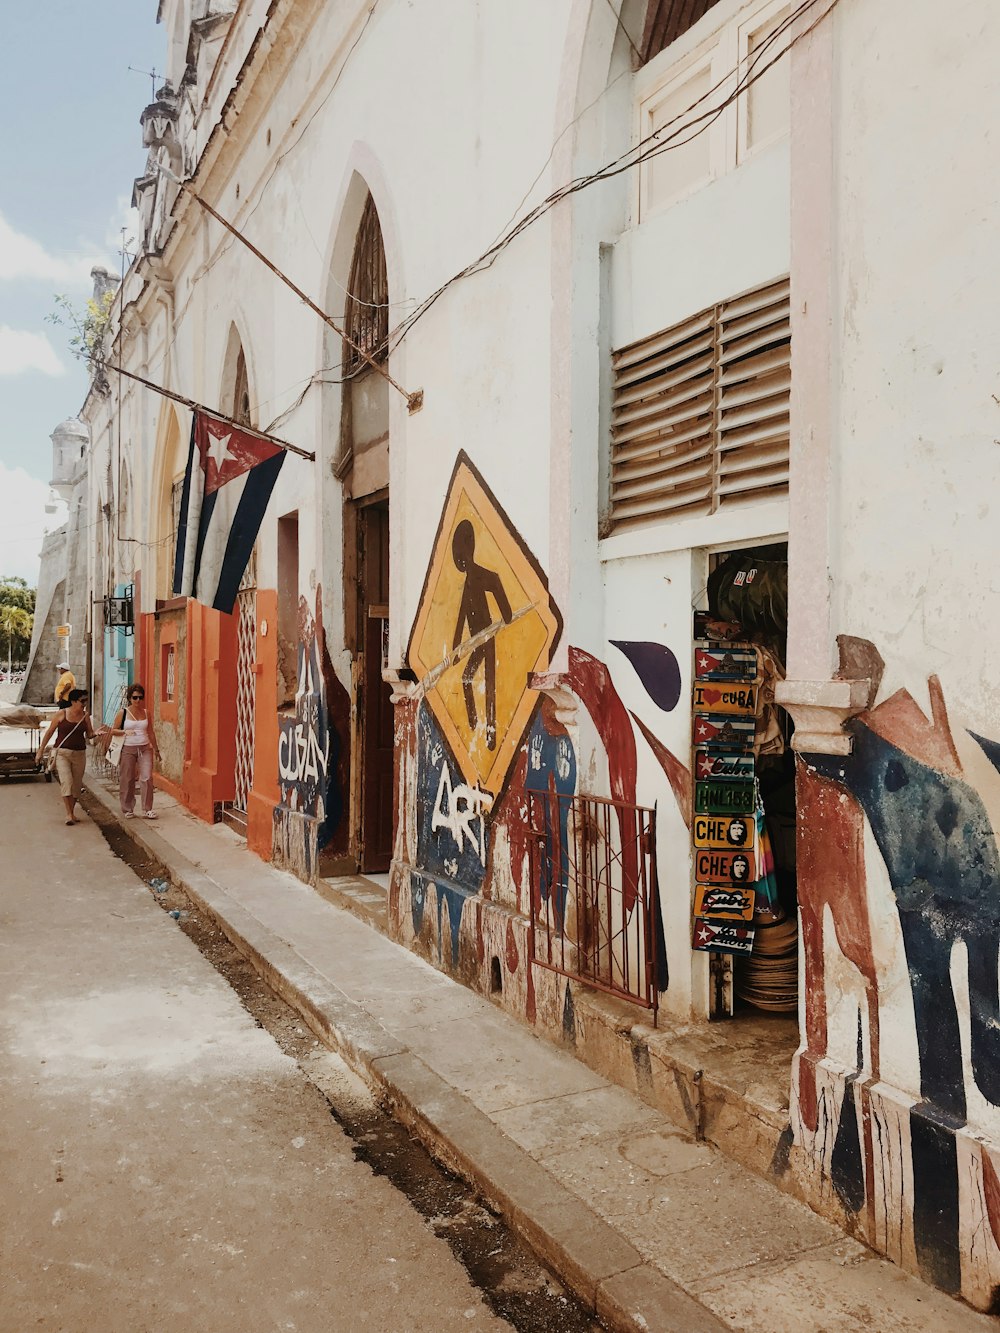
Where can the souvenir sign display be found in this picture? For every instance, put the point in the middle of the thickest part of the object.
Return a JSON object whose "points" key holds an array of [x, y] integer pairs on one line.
{"points": [[726, 698], [723, 832], [725, 702], [724, 902], [721, 936], [718, 764], [723, 733], [712, 866], [723, 797], [719, 663], [718, 631]]}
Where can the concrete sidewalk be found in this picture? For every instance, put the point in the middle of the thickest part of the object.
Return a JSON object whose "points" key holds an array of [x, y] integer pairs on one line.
{"points": [[655, 1230]]}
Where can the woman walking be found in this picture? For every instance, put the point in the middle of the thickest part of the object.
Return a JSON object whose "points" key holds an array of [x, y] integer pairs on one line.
{"points": [[138, 753], [71, 727]]}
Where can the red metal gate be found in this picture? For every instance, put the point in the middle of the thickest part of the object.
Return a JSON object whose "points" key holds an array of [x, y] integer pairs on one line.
{"points": [[593, 892]]}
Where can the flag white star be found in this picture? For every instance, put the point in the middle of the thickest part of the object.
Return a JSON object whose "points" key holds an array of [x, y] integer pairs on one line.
{"points": [[218, 447]]}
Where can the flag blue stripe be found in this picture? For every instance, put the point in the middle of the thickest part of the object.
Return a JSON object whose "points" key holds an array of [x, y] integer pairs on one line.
{"points": [[207, 510], [182, 519], [246, 524]]}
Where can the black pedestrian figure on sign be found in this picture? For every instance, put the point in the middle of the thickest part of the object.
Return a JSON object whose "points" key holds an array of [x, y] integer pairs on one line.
{"points": [[474, 613]]}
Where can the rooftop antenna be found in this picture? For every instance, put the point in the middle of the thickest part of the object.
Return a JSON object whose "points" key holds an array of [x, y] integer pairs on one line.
{"points": [[150, 74]]}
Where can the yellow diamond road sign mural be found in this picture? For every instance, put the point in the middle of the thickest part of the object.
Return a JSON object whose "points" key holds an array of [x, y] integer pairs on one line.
{"points": [[485, 622]]}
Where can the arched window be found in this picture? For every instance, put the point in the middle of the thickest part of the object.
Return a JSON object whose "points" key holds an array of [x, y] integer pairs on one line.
{"points": [[241, 392], [666, 20], [367, 314]]}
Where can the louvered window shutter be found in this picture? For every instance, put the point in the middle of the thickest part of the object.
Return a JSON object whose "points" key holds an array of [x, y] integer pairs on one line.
{"points": [[700, 416]]}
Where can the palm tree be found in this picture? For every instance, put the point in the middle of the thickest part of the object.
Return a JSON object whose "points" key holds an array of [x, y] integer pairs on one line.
{"points": [[16, 624]]}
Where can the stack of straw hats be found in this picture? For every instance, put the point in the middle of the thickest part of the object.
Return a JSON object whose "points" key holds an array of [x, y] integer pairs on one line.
{"points": [[768, 977]]}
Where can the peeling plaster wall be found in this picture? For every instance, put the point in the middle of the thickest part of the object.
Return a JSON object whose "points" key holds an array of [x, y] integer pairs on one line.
{"points": [[897, 1084], [170, 730]]}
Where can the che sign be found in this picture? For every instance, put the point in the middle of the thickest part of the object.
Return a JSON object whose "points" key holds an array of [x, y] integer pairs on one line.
{"points": [[723, 831], [64, 631], [713, 866]]}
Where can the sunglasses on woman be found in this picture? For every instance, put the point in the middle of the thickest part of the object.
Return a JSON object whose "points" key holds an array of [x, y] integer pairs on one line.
{"points": [[137, 696]]}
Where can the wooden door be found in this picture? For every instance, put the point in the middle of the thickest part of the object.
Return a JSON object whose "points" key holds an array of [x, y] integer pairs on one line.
{"points": [[377, 723]]}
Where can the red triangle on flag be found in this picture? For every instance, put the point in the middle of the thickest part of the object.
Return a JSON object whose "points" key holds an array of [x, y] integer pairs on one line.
{"points": [[227, 451]]}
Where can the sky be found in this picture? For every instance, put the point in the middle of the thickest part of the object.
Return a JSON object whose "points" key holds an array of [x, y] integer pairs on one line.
{"points": [[70, 150]]}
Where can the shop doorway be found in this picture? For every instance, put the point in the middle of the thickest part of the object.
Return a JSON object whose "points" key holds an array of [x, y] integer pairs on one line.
{"points": [[743, 760]]}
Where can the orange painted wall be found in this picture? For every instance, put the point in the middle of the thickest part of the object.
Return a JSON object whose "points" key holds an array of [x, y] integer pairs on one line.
{"points": [[211, 710], [210, 731], [265, 793]]}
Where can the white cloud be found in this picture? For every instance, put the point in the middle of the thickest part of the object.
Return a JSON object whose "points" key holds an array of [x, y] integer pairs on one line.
{"points": [[22, 351], [23, 257], [23, 522]]}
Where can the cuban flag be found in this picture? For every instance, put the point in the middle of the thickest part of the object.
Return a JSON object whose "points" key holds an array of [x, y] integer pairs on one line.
{"points": [[229, 479]]}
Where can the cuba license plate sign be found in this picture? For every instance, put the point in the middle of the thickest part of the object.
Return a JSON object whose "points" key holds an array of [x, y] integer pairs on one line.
{"points": [[724, 903], [721, 663], [723, 798], [711, 765], [723, 733], [723, 831], [721, 936], [725, 698]]}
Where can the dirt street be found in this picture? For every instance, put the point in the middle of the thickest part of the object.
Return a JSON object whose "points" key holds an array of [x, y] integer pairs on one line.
{"points": [[165, 1165]]}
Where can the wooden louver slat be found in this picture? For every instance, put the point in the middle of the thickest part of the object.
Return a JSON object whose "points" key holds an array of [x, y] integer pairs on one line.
{"points": [[700, 411]]}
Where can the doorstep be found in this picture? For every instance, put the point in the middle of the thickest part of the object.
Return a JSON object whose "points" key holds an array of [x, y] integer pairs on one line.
{"points": [[727, 1083], [360, 896]]}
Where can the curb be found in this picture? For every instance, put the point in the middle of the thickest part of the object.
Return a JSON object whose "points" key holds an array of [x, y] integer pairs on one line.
{"points": [[603, 1270]]}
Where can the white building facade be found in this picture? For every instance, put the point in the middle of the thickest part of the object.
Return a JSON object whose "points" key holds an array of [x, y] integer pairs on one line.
{"points": [[711, 426]]}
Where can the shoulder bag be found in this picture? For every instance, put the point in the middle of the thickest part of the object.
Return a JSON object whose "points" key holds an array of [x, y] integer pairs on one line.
{"points": [[50, 755]]}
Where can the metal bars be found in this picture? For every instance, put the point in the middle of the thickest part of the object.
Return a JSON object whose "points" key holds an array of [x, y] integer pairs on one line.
{"points": [[594, 891], [246, 654], [367, 317]]}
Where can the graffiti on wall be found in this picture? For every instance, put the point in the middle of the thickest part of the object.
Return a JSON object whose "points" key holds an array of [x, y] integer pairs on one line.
{"points": [[312, 757], [452, 816], [484, 623], [304, 740], [475, 739], [905, 780]]}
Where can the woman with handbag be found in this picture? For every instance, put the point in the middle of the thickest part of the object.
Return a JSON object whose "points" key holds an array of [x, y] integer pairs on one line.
{"points": [[138, 749], [71, 727]]}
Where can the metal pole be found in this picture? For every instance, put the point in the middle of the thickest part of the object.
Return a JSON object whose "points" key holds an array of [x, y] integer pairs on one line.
{"points": [[211, 412]]}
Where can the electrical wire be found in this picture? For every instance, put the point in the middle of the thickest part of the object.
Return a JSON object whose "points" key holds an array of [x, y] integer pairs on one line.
{"points": [[262, 189], [657, 142], [650, 146], [647, 148], [621, 24]]}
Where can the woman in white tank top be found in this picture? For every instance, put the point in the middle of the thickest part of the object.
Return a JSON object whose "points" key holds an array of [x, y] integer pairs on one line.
{"points": [[137, 755]]}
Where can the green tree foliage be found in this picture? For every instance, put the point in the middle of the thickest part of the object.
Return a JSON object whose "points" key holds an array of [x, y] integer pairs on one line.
{"points": [[88, 326], [17, 608]]}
